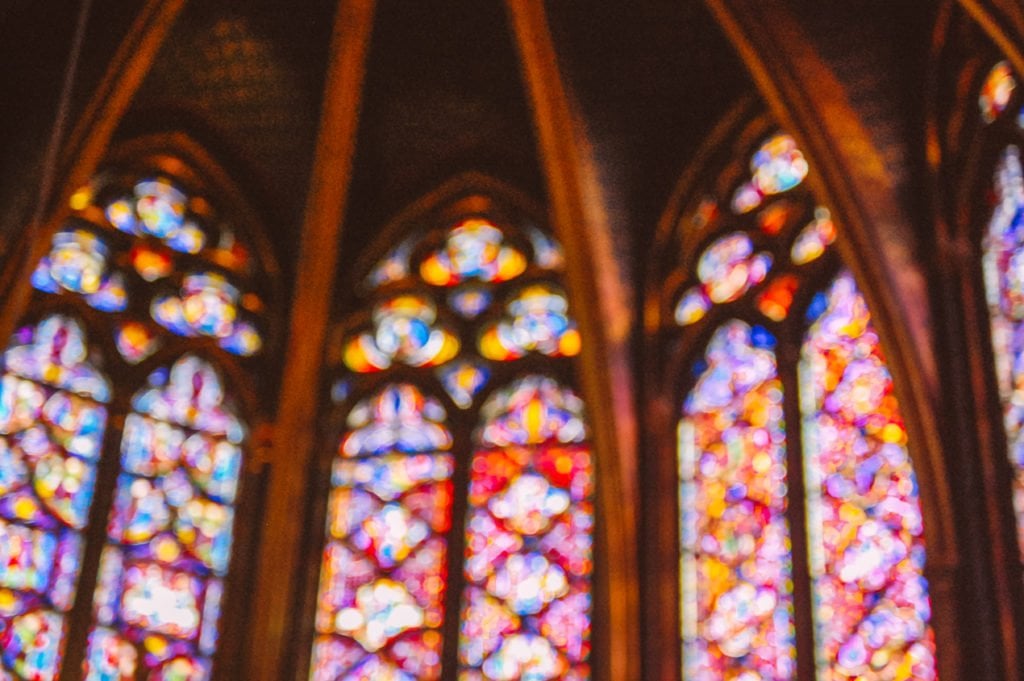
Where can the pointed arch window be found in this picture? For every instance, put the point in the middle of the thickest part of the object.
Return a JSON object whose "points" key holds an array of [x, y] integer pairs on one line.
{"points": [[1001, 113], [121, 444], [800, 528], [460, 522], [54, 413]]}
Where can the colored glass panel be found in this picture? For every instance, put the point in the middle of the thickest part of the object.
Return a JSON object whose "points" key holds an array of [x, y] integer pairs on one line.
{"points": [[463, 380], [404, 331], [151, 263], [135, 342], [811, 242], [864, 520], [746, 198], [78, 262], [112, 296], [157, 208], [207, 306], [52, 420], [776, 299], [776, 167], [537, 321], [774, 218], [160, 582], [383, 577], [526, 606], [474, 249], [737, 609], [546, 253], [1003, 265], [394, 267], [996, 91], [470, 301], [729, 267], [692, 307]]}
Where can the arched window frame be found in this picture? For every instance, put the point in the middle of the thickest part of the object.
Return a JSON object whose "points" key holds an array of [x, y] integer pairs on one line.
{"points": [[426, 222], [670, 353], [964, 153], [213, 193]]}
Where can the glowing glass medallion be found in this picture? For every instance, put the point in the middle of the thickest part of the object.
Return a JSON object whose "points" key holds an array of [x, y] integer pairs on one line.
{"points": [[151, 263], [474, 249], [546, 253], [814, 239], [776, 299], [776, 167], [112, 296], [245, 340], [470, 301], [189, 239], [403, 331], [158, 209], [394, 267], [207, 306], [774, 218], [692, 306], [78, 262], [729, 267], [121, 214], [746, 198], [537, 321], [463, 380], [996, 92]]}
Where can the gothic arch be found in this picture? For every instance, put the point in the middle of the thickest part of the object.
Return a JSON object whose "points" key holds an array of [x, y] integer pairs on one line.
{"points": [[447, 226], [806, 97], [197, 227], [704, 191], [965, 142]]}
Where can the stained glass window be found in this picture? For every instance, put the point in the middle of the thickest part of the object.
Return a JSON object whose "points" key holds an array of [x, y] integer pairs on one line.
{"points": [[790, 438], [1003, 247], [53, 413], [866, 534], [457, 372], [737, 609], [526, 605], [381, 601], [142, 269], [162, 572]]}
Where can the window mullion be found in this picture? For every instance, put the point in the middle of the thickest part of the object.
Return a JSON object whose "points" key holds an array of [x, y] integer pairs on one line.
{"points": [[796, 513], [456, 555], [95, 535]]}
